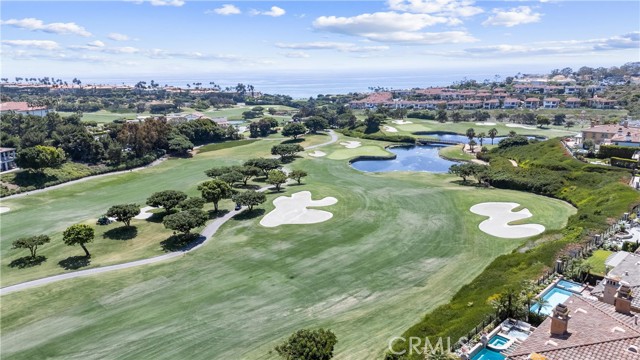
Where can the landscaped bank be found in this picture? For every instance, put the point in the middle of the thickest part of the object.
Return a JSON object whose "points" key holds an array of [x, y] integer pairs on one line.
{"points": [[599, 193]]}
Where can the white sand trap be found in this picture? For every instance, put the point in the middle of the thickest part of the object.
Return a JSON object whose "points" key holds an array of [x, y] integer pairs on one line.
{"points": [[485, 124], [293, 210], [144, 213], [389, 129], [520, 126], [4, 209], [500, 215], [318, 154], [351, 144], [402, 122]]}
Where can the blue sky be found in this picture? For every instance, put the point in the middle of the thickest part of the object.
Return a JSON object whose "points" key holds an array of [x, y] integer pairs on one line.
{"points": [[183, 38]]}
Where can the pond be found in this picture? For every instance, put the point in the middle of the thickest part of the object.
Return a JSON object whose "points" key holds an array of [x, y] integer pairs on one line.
{"points": [[462, 138], [408, 158]]}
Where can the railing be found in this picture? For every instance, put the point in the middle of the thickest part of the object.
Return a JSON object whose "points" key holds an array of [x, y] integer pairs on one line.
{"points": [[435, 141]]}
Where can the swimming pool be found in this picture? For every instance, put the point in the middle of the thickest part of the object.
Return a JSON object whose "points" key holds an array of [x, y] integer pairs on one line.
{"points": [[570, 285], [498, 341], [486, 354], [553, 297]]}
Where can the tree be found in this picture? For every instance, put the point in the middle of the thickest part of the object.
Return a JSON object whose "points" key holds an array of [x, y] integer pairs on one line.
{"points": [[277, 178], [248, 172], [249, 198], [78, 234], [31, 243], [541, 302], [455, 117], [316, 123], [297, 175], [569, 124], [558, 119], [192, 203], [492, 134], [124, 212], [39, 157], [180, 145], [308, 345], [185, 221], [481, 137], [264, 164], [517, 140], [231, 177], [167, 199], [542, 121], [286, 151], [463, 170], [471, 133], [472, 144], [294, 130], [441, 116], [372, 123], [214, 191]]}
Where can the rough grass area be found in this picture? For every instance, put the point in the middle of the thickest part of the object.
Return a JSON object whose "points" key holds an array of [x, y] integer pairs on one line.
{"points": [[596, 260], [455, 153], [224, 145], [399, 244]]}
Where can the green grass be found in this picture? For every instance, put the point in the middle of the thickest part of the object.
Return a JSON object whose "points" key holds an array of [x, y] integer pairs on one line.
{"points": [[461, 128], [455, 153], [596, 260], [399, 244], [224, 145]]}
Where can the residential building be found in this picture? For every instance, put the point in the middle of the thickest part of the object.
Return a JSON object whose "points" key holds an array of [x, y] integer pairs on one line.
{"points": [[572, 103], [491, 104], [624, 269], [7, 158], [532, 103], [600, 103], [511, 103], [620, 134], [572, 89], [372, 101], [583, 329], [551, 103], [472, 104], [22, 107]]}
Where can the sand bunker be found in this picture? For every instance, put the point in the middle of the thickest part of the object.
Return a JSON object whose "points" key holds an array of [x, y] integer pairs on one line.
{"points": [[520, 126], [317, 154], [351, 144], [293, 210], [389, 129], [485, 124], [401, 122], [500, 215], [4, 209], [144, 213]]}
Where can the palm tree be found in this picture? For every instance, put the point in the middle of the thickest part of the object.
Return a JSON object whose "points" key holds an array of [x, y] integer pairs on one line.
{"points": [[541, 302], [492, 134], [586, 270], [481, 137], [471, 133]]}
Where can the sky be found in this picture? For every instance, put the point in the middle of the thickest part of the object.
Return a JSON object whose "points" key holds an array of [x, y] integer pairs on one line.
{"points": [[189, 38]]}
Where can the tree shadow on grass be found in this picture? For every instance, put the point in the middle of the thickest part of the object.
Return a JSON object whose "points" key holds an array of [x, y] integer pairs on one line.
{"points": [[217, 214], [74, 262], [27, 261], [157, 217], [181, 242], [247, 187], [121, 233], [293, 141], [246, 214]]}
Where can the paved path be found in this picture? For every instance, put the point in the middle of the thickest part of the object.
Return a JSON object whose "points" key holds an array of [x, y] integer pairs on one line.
{"points": [[207, 233]]}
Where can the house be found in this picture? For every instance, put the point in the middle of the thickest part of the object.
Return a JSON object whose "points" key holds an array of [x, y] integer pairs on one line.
{"points": [[572, 103], [7, 158], [455, 105], [511, 103], [583, 329], [600, 103], [572, 89], [22, 107], [624, 269], [221, 121], [551, 103], [626, 137], [491, 104], [372, 101], [472, 104], [606, 133], [531, 103]]}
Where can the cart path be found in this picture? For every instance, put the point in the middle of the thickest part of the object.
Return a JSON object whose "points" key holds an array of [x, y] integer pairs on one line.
{"points": [[206, 235]]}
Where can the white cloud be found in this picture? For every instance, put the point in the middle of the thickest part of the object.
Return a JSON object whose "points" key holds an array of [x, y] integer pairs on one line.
{"points": [[457, 8], [394, 27], [96, 43], [326, 45], [512, 17], [54, 28], [589, 46], [34, 44], [118, 37], [297, 55], [274, 12], [226, 9]]}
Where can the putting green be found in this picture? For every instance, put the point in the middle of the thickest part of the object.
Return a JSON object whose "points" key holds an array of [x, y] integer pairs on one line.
{"points": [[398, 245]]}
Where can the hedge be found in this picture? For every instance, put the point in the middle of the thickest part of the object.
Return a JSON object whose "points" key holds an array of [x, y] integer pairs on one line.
{"points": [[609, 151], [624, 163]]}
